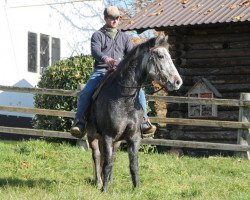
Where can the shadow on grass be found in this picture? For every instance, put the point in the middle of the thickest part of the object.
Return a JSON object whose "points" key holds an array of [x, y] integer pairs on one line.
{"points": [[7, 182], [90, 181]]}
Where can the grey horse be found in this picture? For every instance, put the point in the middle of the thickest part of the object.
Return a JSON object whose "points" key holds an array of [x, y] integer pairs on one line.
{"points": [[116, 114]]}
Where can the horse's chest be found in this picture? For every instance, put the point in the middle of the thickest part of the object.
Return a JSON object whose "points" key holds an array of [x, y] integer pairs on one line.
{"points": [[119, 117]]}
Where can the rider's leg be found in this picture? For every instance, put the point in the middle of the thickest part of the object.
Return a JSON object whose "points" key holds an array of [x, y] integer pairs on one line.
{"points": [[78, 128], [146, 127], [143, 102]]}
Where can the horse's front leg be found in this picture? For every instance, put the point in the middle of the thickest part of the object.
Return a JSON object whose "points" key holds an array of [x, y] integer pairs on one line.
{"points": [[96, 156], [115, 148], [108, 161], [133, 148]]}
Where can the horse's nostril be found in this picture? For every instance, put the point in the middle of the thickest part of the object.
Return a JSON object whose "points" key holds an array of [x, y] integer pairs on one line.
{"points": [[177, 82]]}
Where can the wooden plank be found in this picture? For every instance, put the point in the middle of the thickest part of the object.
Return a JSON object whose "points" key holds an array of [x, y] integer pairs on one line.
{"points": [[213, 53], [232, 37], [221, 79], [196, 145], [209, 62], [226, 102], [215, 70], [201, 122], [59, 92], [199, 135], [218, 45], [205, 101], [169, 99], [39, 111], [244, 134], [35, 132], [173, 143], [215, 29], [224, 88]]}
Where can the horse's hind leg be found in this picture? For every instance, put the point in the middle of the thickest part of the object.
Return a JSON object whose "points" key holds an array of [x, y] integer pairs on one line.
{"points": [[96, 156], [133, 148]]}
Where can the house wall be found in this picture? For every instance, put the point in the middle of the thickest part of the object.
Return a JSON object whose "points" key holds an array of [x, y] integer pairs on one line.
{"points": [[221, 54], [73, 23]]}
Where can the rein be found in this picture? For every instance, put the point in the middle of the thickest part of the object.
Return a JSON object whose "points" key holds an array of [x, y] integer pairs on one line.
{"points": [[140, 87]]}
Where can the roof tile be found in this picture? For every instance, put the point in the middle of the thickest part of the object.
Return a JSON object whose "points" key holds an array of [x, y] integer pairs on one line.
{"points": [[167, 13]]}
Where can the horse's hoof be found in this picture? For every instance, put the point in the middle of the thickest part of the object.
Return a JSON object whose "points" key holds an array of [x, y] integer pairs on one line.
{"points": [[99, 186], [105, 190]]}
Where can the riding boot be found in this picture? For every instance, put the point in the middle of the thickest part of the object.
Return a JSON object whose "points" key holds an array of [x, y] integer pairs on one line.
{"points": [[147, 128], [78, 129]]}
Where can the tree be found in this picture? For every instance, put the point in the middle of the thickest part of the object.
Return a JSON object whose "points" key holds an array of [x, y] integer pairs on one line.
{"points": [[65, 74]]}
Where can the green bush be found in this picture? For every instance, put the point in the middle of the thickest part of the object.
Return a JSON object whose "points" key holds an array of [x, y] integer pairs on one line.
{"points": [[65, 74]]}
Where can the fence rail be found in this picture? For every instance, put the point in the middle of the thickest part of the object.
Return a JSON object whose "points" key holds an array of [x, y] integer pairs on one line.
{"points": [[169, 99], [36, 132], [160, 142], [59, 92], [176, 121], [204, 101]]}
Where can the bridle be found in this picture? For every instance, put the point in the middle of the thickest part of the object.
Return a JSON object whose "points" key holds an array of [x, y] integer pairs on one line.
{"points": [[144, 85]]}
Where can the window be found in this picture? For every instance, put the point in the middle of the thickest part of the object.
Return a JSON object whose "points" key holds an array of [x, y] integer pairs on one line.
{"points": [[55, 50], [44, 51], [32, 52], [48, 51]]}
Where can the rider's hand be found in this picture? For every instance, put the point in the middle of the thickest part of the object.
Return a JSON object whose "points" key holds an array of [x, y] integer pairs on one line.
{"points": [[110, 62]]}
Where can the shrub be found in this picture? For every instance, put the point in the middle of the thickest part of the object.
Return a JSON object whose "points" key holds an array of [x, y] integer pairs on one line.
{"points": [[65, 74]]}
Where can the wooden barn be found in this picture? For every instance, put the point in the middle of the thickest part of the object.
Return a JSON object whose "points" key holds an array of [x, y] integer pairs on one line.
{"points": [[208, 40]]}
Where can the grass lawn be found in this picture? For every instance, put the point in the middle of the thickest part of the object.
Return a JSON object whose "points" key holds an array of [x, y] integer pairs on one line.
{"points": [[46, 170]]}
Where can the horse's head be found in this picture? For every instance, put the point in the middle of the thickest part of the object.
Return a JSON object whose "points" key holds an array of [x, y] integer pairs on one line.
{"points": [[160, 66]]}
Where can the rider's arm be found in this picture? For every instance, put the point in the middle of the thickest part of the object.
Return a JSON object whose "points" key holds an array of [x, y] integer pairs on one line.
{"points": [[128, 45], [96, 47]]}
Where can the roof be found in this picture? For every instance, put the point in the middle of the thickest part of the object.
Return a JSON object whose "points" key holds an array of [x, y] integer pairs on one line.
{"points": [[209, 86], [169, 13]]}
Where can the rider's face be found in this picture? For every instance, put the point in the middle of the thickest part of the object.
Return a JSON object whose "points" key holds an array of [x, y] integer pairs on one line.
{"points": [[112, 22]]}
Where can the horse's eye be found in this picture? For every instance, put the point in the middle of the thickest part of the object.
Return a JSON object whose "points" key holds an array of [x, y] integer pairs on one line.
{"points": [[160, 56]]}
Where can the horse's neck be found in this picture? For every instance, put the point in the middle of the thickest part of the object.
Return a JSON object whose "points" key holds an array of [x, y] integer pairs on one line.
{"points": [[132, 76]]}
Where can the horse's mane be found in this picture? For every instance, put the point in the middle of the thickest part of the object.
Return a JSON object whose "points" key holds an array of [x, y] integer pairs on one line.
{"points": [[133, 54]]}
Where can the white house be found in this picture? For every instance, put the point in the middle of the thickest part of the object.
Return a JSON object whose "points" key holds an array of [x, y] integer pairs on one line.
{"points": [[35, 34]]}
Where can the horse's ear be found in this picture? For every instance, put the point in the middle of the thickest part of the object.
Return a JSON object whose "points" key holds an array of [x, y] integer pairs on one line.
{"points": [[162, 40]]}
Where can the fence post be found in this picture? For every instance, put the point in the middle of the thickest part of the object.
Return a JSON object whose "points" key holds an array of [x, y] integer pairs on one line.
{"points": [[83, 143], [244, 134]]}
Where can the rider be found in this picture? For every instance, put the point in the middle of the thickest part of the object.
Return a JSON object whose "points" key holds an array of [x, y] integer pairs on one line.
{"points": [[108, 47]]}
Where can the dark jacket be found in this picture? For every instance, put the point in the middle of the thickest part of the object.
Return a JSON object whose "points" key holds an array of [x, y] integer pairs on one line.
{"points": [[102, 45]]}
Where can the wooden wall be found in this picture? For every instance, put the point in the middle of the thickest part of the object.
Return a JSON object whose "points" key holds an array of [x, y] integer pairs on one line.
{"points": [[219, 53]]}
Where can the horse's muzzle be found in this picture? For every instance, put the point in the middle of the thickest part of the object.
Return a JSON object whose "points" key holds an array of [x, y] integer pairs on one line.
{"points": [[175, 85]]}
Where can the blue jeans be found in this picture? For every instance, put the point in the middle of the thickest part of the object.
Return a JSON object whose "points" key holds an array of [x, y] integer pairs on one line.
{"points": [[89, 89], [143, 102]]}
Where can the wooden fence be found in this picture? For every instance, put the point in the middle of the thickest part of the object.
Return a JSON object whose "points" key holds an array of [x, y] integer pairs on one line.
{"points": [[243, 125]]}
